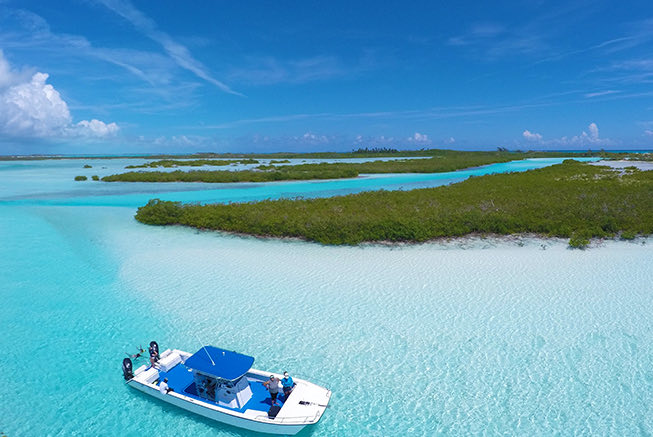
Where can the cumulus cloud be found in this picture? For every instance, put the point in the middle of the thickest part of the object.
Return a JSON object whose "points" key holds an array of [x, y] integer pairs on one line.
{"points": [[594, 132], [419, 138], [31, 107], [312, 138], [5, 72], [588, 138], [95, 128], [531, 136], [374, 141]]}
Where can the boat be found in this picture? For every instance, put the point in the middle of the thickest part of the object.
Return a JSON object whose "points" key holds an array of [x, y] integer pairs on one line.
{"points": [[222, 385]]}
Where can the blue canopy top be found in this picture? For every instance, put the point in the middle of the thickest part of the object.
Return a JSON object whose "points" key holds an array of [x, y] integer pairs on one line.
{"points": [[228, 365]]}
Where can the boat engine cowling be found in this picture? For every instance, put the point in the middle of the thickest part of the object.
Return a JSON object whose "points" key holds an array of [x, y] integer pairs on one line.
{"points": [[127, 369], [154, 350]]}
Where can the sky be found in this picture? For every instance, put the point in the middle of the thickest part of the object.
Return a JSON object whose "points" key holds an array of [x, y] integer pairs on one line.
{"points": [[127, 76]]}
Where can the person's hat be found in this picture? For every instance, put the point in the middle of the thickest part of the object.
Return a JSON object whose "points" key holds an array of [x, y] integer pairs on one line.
{"points": [[271, 376]]}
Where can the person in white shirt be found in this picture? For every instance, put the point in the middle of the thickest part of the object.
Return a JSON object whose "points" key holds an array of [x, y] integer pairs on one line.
{"points": [[163, 387]]}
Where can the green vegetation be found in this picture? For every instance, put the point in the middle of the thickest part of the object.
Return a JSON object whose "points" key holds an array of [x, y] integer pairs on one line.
{"points": [[570, 200], [88, 166], [279, 161], [580, 239], [375, 150], [168, 163], [80, 178], [447, 160], [278, 174], [95, 177], [628, 235]]}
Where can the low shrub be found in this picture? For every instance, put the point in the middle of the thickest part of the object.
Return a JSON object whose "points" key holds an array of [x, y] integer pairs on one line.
{"points": [[628, 235], [579, 240], [570, 200], [169, 163]]}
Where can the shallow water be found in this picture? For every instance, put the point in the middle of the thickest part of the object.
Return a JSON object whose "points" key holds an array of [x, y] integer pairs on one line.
{"points": [[435, 339], [52, 182]]}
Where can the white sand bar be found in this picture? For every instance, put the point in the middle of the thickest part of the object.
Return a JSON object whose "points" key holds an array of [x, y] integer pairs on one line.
{"points": [[641, 165]]}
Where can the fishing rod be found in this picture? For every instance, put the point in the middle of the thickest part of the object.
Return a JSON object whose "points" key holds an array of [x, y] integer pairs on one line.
{"points": [[204, 347]]}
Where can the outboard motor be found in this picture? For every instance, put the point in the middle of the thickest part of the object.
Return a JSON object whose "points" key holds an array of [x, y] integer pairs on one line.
{"points": [[154, 350], [127, 369]]}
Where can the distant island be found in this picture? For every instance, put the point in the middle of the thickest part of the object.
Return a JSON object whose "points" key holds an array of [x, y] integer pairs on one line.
{"points": [[367, 152], [570, 200], [168, 163], [433, 161]]}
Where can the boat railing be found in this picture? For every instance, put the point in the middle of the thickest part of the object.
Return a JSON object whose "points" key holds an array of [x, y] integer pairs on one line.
{"points": [[261, 417], [289, 419]]}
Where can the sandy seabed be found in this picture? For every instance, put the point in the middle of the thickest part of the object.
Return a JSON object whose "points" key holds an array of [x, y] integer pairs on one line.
{"points": [[472, 336]]}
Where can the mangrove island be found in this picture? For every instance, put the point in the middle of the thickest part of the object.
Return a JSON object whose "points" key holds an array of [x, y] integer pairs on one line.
{"points": [[570, 200]]}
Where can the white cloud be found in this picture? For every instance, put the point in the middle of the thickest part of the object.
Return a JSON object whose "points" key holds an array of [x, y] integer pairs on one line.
{"points": [[594, 132], [419, 138], [531, 136], [601, 93], [585, 139], [269, 70], [33, 108], [374, 141], [177, 52], [312, 138], [648, 132], [95, 128], [493, 41], [6, 74]]}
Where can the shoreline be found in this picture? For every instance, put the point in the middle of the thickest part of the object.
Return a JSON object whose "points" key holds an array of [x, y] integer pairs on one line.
{"points": [[465, 242], [622, 164]]}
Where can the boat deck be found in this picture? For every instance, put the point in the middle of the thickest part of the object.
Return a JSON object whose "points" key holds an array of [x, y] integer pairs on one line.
{"points": [[181, 381]]}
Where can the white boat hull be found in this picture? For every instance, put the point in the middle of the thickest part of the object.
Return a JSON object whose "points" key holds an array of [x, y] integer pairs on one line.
{"points": [[217, 415], [291, 419]]}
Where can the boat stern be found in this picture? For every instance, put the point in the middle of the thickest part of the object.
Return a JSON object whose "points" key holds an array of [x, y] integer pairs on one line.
{"points": [[307, 403]]}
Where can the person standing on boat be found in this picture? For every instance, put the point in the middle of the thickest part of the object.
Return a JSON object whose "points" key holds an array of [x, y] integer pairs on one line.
{"points": [[287, 384], [273, 387]]}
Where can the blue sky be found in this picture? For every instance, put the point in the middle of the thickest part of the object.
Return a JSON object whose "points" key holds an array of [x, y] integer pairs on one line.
{"points": [[119, 76]]}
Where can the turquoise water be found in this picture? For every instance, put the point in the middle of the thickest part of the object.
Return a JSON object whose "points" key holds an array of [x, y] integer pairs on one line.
{"points": [[467, 337], [52, 183]]}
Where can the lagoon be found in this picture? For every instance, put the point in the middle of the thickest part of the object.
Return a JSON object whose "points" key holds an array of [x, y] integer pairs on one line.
{"points": [[51, 182], [458, 338]]}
